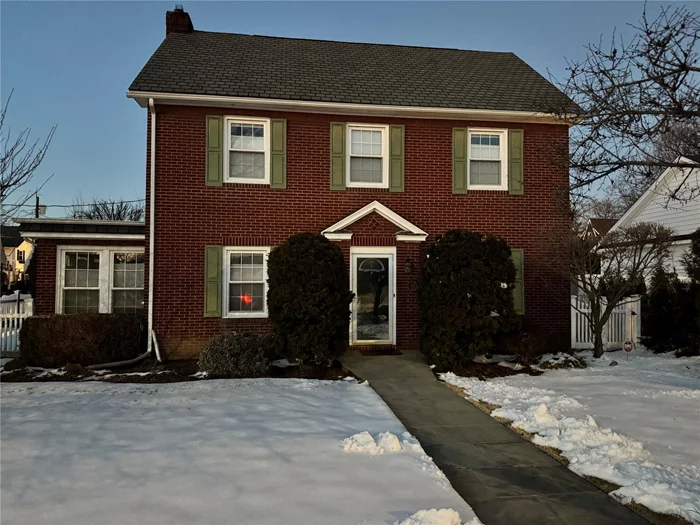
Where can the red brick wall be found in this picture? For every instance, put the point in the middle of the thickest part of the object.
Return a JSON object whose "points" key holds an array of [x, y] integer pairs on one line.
{"points": [[191, 215], [45, 268]]}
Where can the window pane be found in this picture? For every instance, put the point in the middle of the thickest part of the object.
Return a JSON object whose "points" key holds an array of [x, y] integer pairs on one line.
{"points": [[484, 172], [93, 278], [77, 301], [249, 137], [365, 169], [70, 279], [83, 261], [71, 260], [127, 301], [247, 165], [485, 146], [81, 279]]}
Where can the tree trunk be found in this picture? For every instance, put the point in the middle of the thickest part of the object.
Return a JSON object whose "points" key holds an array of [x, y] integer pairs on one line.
{"points": [[598, 349]]}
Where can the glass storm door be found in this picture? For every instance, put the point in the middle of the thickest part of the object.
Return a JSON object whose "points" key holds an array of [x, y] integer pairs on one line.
{"points": [[373, 306]]}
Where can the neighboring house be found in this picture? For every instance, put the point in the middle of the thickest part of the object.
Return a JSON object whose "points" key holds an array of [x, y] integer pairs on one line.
{"points": [[86, 266], [681, 214], [381, 148], [17, 253]]}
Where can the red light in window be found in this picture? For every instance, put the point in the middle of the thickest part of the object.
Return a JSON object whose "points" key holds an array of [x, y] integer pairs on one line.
{"points": [[247, 299]]}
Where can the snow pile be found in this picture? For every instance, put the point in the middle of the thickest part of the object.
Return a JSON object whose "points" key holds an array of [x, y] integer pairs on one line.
{"points": [[260, 450], [433, 517], [364, 443], [635, 425]]}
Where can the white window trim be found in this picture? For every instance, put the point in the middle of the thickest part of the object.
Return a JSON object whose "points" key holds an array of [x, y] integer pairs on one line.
{"points": [[503, 186], [228, 250], [228, 120], [106, 271], [385, 155]]}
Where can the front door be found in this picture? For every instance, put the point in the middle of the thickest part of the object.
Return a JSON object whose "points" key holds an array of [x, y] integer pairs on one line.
{"points": [[372, 280]]}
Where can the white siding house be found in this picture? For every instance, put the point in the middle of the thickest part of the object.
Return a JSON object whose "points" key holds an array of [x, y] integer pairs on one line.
{"points": [[682, 215]]}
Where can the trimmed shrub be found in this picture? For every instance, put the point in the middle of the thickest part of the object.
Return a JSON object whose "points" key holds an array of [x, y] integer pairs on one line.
{"points": [[465, 295], [234, 355], [55, 340], [309, 298]]}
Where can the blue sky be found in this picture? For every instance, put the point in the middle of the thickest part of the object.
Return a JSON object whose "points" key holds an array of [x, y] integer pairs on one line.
{"points": [[70, 63]]}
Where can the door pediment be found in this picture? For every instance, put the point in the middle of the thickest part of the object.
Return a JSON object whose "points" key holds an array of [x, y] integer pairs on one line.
{"points": [[406, 230]]}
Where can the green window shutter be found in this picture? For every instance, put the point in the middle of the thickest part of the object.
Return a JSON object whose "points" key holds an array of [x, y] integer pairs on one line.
{"points": [[518, 257], [278, 153], [515, 162], [215, 151], [459, 160], [337, 156], [396, 158], [213, 259]]}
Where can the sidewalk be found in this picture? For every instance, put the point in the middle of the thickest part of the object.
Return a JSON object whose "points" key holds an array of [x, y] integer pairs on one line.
{"points": [[503, 477]]}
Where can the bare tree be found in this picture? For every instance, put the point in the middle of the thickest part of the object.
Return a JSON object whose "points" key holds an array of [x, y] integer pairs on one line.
{"points": [[609, 270], [630, 95], [108, 210], [19, 159]]}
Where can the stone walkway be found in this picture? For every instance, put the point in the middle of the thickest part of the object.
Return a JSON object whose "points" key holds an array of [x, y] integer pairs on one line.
{"points": [[503, 477]]}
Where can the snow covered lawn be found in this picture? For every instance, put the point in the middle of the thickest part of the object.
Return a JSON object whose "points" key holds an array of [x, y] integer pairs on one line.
{"points": [[230, 451], [636, 424]]}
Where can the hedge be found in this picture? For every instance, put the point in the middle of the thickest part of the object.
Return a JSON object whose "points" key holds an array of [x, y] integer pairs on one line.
{"points": [[55, 340]]}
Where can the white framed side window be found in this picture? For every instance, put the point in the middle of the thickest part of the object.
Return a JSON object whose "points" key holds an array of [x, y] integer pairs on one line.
{"points": [[247, 150], [487, 168], [95, 279], [368, 156], [245, 282]]}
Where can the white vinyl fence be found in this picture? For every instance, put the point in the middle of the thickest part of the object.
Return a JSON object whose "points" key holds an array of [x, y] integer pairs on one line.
{"points": [[13, 311], [625, 323]]}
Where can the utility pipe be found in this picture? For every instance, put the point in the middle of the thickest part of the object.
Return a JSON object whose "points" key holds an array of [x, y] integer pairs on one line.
{"points": [[152, 231]]}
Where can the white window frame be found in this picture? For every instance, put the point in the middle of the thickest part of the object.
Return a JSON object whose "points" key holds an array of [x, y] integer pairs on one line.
{"points": [[227, 148], [106, 272], [228, 250], [385, 155], [503, 186]]}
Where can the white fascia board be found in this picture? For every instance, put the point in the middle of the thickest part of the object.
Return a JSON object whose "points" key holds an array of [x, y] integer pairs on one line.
{"points": [[142, 97], [101, 236]]}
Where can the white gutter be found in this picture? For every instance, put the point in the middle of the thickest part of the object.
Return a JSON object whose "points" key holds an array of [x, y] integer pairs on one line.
{"points": [[30, 220], [341, 108], [152, 231]]}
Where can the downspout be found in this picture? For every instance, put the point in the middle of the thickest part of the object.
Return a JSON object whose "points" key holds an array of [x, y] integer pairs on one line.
{"points": [[152, 233], [152, 341]]}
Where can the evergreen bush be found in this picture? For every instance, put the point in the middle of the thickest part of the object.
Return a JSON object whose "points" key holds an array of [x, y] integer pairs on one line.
{"points": [[234, 355], [465, 295], [309, 298]]}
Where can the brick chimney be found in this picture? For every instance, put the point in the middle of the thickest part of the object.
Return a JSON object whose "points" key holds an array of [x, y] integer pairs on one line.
{"points": [[178, 21]]}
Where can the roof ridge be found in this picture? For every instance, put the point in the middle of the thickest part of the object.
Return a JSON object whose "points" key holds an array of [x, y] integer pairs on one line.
{"points": [[354, 43]]}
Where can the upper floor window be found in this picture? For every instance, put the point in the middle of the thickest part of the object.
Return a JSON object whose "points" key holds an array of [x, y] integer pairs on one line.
{"points": [[247, 157], [20, 256], [368, 157], [488, 166]]}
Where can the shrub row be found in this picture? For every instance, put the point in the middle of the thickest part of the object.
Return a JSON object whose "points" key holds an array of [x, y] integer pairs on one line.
{"points": [[86, 339]]}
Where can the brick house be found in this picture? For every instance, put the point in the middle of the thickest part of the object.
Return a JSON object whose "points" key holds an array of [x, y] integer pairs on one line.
{"points": [[381, 148]]}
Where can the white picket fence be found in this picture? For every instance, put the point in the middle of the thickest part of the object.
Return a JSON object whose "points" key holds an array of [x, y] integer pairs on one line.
{"points": [[13, 311], [625, 323]]}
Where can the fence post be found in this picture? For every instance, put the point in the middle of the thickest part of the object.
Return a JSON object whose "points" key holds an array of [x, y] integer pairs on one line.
{"points": [[605, 336], [574, 324]]}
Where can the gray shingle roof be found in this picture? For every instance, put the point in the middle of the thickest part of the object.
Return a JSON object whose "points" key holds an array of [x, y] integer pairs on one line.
{"points": [[239, 65], [79, 226]]}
